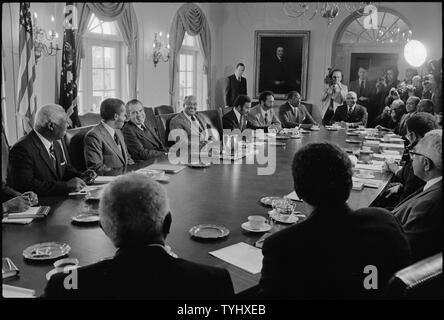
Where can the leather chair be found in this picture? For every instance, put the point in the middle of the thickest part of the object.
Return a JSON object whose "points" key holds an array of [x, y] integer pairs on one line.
{"points": [[213, 117], [163, 109], [150, 118], [89, 119], [422, 280], [163, 126], [73, 146]]}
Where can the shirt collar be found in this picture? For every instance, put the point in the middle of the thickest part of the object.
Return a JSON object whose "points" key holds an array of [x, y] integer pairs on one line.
{"points": [[292, 106], [263, 112], [238, 115], [45, 141], [353, 107], [431, 182], [164, 247], [110, 130], [188, 117]]}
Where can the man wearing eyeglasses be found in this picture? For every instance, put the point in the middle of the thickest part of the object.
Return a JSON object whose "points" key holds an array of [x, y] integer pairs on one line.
{"points": [[421, 213], [105, 149]]}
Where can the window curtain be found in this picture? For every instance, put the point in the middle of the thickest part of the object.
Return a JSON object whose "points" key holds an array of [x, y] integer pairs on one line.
{"points": [[189, 18], [126, 19]]}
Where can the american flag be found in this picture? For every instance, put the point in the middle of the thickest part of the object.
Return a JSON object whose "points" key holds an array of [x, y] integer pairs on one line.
{"points": [[27, 101], [68, 79]]}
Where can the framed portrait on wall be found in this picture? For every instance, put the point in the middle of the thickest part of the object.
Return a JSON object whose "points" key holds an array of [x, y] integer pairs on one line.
{"points": [[281, 62]]}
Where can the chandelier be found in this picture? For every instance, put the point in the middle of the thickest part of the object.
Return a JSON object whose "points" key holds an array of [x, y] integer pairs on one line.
{"points": [[44, 40], [327, 10], [161, 49]]}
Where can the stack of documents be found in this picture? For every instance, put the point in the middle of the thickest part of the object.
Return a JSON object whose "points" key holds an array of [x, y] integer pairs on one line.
{"points": [[17, 292], [27, 216], [374, 166]]}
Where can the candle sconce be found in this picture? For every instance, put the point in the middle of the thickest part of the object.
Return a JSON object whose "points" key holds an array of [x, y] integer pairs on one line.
{"points": [[161, 51], [44, 40]]}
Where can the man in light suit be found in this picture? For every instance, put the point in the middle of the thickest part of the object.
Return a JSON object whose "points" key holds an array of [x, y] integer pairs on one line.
{"points": [[142, 141], [421, 213], [236, 118], [194, 124], [235, 85], [333, 96], [37, 163], [292, 113], [351, 113], [105, 149], [135, 215], [263, 116]]}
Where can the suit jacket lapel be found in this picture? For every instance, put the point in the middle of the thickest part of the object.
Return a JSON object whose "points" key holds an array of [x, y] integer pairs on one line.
{"points": [[44, 153], [416, 195], [111, 143], [233, 115], [155, 137]]}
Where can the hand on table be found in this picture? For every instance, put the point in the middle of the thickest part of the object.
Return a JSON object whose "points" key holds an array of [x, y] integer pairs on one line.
{"points": [[75, 184], [32, 197], [17, 204]]}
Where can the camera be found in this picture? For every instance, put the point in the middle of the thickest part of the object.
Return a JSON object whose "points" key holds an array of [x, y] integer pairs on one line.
{"points": [[328, 80]]}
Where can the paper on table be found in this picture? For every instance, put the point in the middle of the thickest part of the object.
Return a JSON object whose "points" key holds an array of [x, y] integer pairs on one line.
{"points": [[17, 221], [392, 145], [374, 167], [104, 179], [392, 152], [241, 255], [387, 156], [17, 292], [168, 168], [292, 196], [370, 183]]}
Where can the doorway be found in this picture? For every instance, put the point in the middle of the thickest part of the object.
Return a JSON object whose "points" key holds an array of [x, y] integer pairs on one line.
{"points": [[375, 62]]}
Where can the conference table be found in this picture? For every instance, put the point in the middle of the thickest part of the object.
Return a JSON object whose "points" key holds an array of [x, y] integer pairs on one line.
{"points": [[222, 194]]}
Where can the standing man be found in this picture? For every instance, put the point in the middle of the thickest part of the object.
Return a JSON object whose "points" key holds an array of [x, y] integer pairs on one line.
{"points": [[365, 89], [105, 148], [235, 85], [334, 96], [142, 141], [36, 161], [292, 113], [237, 117], [263, 116]]}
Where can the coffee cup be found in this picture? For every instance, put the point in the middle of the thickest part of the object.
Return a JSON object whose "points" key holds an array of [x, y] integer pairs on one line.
{"points": [[256, 222]]}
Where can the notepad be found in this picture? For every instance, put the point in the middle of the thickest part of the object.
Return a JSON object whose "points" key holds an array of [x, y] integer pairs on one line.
{"points": [[104, 179], [392, 145], [370, 183], [31, 213], [17, 292], [374, 166], [168, 168], [241, 255], [387, 156], [292, 196]]}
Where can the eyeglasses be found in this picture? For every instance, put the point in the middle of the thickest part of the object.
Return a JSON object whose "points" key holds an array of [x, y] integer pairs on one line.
{"points": [[413, 154]]}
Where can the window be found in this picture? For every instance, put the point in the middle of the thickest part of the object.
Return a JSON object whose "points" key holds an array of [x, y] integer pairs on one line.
{"points": [[101, 70], [192, 80]]}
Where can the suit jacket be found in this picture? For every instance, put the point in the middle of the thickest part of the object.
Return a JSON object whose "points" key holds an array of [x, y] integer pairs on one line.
{"points": [[142, 145], [8, 193], [369, 88], [144, 273], [421, 217], [181, 122], [30, 168], [234, 88], [229, 121], [358, 116], [290, 119], [101, 152], [257, 121], [325, 255]]}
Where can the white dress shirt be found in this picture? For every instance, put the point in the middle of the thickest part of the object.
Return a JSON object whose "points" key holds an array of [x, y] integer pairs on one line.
{"points": [[111, 131], [45, 142], [238, 115], [431, 182], [194, 125]]}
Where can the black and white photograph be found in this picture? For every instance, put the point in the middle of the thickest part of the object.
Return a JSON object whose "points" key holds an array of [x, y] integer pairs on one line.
{"points": [[212, 159]]}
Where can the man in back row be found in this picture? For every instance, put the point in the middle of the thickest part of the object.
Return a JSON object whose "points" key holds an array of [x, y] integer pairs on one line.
{"points": [[105, 149], [37, 162]]}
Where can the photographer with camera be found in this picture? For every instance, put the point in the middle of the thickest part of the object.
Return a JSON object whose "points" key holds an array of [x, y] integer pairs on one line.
{"points": [[333, 96]]}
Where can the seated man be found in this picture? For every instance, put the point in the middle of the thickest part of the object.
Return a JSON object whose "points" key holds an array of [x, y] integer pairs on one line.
{"points": [[142, 142], [351, 113], [426, 105], [390, 118], [292, 113], [263, 116], [105, 149], [327, 253], [135, 215], [410, 106], [421, 213], [195, 125], [37, 162], [405, 182], [237, 117]]}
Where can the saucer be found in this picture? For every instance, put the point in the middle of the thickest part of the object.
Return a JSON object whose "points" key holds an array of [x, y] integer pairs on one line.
{"points": [[364, 175], [283, 218], [246, 226]]}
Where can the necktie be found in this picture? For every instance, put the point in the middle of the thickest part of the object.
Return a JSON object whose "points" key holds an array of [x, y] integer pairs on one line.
{"points": [[350, 110], [194, 120], [266, 118], [53, 157], [242, 122], [361, 89], [116, 139]]}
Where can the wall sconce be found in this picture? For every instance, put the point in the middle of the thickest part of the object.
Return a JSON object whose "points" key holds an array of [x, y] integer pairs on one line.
{"points": [[43, 41], [161, 51]]}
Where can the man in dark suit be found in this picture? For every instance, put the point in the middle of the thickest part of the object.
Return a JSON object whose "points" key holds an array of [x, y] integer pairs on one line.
{"points": [[328, 254], [235, 85], [135, 215], [366, 90], [37, 162], [236, 118], [105, 149], [292, 113], [351, 113], [142, 141], [421, 213]]}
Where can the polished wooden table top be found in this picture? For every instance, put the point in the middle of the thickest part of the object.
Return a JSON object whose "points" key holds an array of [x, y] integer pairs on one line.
{"points": [[223, 194]]}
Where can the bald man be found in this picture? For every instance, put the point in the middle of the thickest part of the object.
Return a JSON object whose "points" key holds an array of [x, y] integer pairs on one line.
{"points": [[36, 161], [351, 113]]}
